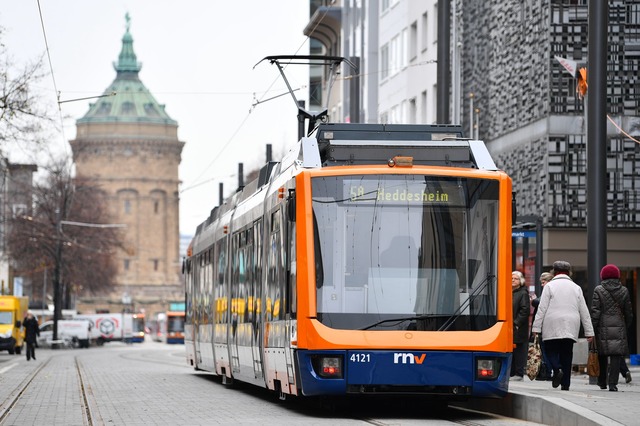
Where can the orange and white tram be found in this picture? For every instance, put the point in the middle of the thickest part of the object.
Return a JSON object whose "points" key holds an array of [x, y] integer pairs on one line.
{"points": [[372, 259]]}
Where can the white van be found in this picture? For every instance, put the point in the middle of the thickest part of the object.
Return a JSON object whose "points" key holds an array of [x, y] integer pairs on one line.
{"points": [[109, 327], [71, 333]]}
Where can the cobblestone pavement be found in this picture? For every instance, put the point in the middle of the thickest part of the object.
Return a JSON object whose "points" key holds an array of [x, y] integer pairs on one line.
{"points": [[126, 385], [151, 384]]}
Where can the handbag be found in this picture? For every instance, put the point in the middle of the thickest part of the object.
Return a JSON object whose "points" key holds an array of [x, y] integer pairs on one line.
{"points": [[593, 364], [534, 359]]}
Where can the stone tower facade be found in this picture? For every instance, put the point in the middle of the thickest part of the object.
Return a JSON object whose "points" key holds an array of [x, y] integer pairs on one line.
{"points": [[129, 145]]}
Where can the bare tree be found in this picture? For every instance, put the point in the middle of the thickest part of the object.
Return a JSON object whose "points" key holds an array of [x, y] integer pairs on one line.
{"points": [[23, 116], [70, 233]]}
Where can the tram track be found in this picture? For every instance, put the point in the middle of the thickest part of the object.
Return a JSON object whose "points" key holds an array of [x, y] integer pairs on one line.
{"points": [[14, 397], [43, 372], [90, 410]]}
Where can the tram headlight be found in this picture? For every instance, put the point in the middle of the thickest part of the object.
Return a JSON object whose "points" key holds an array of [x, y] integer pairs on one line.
{"points": [[328, 367], [488, 368]]}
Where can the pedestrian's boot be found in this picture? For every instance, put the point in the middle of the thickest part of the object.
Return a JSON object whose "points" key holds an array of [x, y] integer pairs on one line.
{"points": [[557, 377], [543, 374]]}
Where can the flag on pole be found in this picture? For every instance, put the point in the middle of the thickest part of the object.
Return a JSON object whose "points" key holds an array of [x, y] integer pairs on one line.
{"points": [[581, 87], [568, 64]]}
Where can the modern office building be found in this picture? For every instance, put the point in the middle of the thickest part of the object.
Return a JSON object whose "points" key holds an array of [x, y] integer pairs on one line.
{"points": [[510, 89], [393, 44], [534, 120]]}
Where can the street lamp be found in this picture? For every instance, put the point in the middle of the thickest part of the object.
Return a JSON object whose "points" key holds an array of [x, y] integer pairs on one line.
{"points": [[57, 307]]}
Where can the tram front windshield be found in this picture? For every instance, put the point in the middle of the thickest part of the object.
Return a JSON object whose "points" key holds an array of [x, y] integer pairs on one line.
{"points": [[175, 324], [405, 252], [138, 325]]}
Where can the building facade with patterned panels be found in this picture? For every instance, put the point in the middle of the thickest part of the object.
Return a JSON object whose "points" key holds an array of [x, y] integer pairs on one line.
{"points": [[129, 145], [527, 109]]}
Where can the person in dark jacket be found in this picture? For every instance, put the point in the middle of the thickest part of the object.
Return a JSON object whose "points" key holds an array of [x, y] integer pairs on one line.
{"points": [[611, 315], [521, 310], [31, 331]]}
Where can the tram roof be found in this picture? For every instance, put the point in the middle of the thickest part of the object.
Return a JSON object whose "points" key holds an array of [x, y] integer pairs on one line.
{"points": [[436, 145]]}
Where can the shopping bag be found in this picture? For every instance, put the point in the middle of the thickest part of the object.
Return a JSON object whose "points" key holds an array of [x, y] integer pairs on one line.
{"points": [[534, 359], [593, 364]]}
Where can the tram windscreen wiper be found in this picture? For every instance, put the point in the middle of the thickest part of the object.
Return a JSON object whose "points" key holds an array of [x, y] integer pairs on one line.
{"points": [[398, 320], [474, 294]]}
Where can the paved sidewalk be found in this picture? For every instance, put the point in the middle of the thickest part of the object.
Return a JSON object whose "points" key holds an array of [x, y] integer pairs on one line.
{"points": [[583, 405]]}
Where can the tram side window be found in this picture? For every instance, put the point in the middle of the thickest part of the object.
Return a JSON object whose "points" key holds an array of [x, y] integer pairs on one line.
{"points": [[209, 287], [206, 313], [240, 291], [200, 280], [188, 273], [249, 277], [291, 237], [275, 300], [237, 278], [257, 265], [220, 292]]}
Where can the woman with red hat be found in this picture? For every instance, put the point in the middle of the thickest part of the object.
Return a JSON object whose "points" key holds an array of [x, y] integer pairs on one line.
{"points": [[611, 315]]}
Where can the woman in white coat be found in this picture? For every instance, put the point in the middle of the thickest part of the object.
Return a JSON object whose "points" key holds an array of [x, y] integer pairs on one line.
{"points": [[561, 310]]}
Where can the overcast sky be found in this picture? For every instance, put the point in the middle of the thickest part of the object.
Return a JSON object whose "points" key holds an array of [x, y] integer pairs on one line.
{"points": [[197, 58]]}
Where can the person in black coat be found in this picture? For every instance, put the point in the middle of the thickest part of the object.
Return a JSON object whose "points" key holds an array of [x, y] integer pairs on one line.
{"points": [[31, 331], [521, 310], [611, 315]]}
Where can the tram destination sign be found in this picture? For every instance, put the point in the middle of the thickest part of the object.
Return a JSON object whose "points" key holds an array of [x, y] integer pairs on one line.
{"points": [[399, 191]]}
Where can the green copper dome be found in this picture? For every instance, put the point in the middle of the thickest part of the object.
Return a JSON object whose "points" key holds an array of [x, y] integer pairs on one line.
{"points": [[132, 101]]}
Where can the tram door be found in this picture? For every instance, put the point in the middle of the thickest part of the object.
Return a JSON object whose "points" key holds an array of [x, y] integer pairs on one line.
{"points": [[255, 299], [237, 278], [291, 300]]}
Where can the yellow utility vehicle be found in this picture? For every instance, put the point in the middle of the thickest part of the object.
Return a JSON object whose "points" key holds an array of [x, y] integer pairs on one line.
{"points": [[13, 310]]}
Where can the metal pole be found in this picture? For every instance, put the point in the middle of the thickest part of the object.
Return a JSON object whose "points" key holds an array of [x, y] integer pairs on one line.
{"points": [[539, 260], [240, 176], [597, 143], [477, 136], [301, 117], [444, 53], [471, 115], [44, 290], [455, 65], [57, 297], [354, 91]]}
